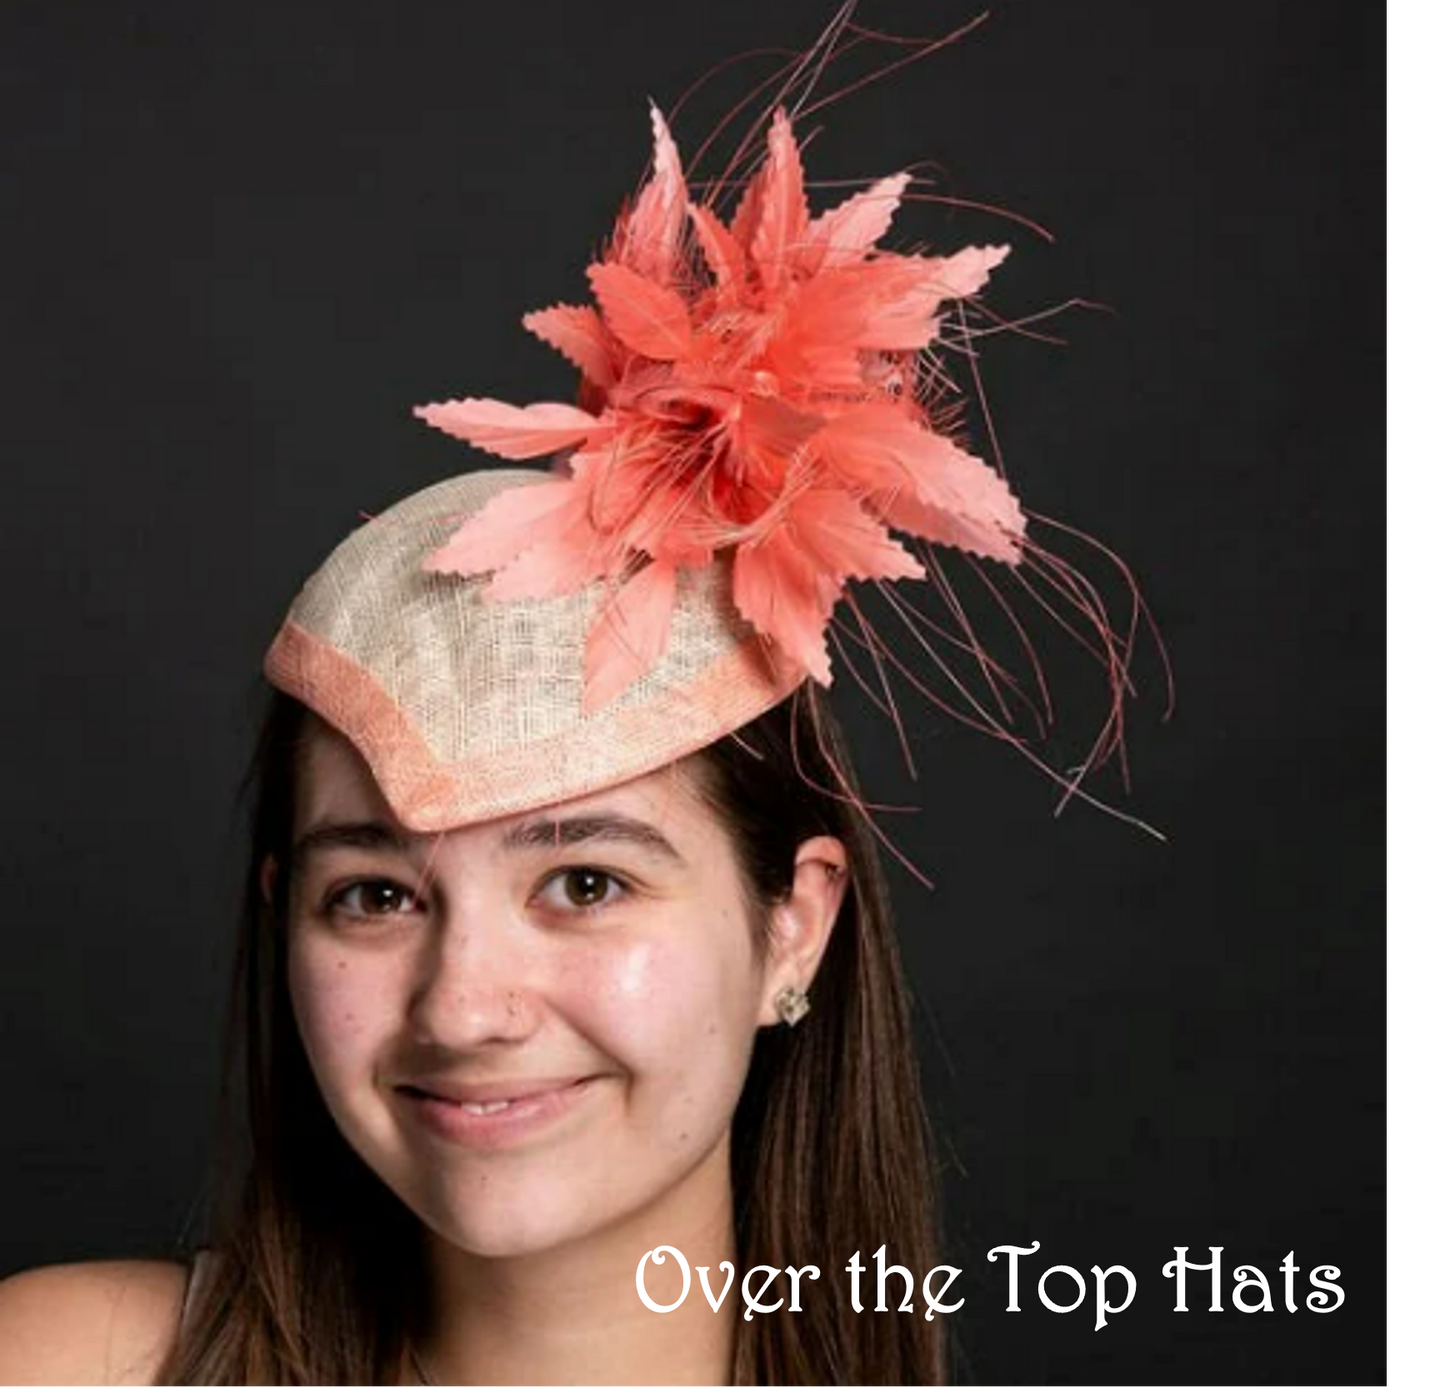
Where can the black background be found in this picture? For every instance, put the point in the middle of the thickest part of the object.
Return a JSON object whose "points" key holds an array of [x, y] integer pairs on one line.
{"points": [[242, 240]]}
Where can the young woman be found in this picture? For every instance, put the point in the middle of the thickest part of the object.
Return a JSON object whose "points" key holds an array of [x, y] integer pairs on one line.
{"points": [[567, 961], [490, 1069]]}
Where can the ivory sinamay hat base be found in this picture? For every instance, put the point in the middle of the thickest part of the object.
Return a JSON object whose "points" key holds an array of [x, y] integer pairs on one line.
{"points": [[467, 709]]}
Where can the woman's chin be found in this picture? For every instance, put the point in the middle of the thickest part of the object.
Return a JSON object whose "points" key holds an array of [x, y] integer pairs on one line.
{"points": [[516, 1227], [571, 1197]]}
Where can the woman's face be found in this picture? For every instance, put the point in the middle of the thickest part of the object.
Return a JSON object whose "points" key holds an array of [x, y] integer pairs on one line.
{"points": [[532, 1028]]}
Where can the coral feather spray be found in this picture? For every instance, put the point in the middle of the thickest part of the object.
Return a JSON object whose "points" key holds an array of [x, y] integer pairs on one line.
{"points": [[761, 409], [757, 392]]}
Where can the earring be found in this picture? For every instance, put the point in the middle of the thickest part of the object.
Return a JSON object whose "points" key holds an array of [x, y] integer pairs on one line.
{"points": [[792, 1005]]}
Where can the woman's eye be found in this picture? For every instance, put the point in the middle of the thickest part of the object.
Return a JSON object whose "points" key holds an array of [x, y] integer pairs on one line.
{"points": [[581, 889], [374, 897]]}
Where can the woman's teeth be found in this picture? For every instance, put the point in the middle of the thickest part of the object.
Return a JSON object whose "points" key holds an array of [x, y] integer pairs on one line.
{"points": [[488, 1108]]}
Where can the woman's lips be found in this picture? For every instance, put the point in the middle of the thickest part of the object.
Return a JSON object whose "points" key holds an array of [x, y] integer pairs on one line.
{"points": [[494, 1115]]}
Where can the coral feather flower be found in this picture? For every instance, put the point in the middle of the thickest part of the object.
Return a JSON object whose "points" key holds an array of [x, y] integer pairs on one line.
{"points": [[752, 391]]}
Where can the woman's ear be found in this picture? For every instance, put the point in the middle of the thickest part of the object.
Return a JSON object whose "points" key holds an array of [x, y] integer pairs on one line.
{"points": [[801, 925], [270, 870]]}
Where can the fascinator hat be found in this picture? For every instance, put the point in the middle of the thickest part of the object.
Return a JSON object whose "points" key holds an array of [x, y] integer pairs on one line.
{"points": [[763, 421]]}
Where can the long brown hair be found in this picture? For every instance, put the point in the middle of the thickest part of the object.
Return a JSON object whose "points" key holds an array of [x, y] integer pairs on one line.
{"points": [[316, 1271]]}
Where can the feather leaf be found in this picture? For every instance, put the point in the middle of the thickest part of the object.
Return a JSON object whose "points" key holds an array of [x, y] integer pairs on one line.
{"points": [[511, 431], [723, 254], [878, 451], [788, 580], [847, 232], [651, 238], [629, 635], [651, 319], [580, 335], [505, 526], [783, 214], [565, 558]]}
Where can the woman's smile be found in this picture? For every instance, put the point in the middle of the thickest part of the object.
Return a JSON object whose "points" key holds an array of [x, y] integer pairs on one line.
{"points": [[497, 1114]]}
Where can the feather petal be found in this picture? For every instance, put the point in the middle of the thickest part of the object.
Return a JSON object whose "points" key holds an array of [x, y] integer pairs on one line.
{"points": [[852, 308], [651, 239], [629, 634], [652, 319], [567, 557], [878, 451], [723, 254], [511, 431], [580, 335], [938, 280], [989, 536], [783, 214], [836, 536], [786, 605], [965, 272], [847, 232], [744, 225], [788, 580], [502, 529]]}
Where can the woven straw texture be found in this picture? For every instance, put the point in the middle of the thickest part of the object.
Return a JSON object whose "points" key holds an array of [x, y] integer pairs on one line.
{"points": [[467, 709]]}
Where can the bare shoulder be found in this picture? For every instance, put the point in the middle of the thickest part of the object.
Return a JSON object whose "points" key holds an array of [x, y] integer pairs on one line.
{"points": [[89, 1322]]}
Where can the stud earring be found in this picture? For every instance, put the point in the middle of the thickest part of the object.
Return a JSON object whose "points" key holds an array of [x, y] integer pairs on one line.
{"points": [[792, 1005]]}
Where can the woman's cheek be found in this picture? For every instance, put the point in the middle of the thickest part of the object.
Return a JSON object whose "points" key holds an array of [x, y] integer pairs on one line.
{"points": [[341, 1004], [651, 1000]]}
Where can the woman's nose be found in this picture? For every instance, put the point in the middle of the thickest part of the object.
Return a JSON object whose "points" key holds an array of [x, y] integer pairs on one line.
{"points": [[477, 982]]}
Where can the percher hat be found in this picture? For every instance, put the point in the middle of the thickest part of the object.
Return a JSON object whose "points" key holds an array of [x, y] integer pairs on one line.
{"points": [[764, 418], [467, 708]]}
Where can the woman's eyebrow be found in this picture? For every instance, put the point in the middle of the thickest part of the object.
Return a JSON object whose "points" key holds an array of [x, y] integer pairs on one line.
{"points": [[371, 834], [592, 828]]}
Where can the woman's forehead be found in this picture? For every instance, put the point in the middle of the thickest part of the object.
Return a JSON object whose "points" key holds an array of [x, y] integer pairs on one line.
{"points": [[335, 785]]}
